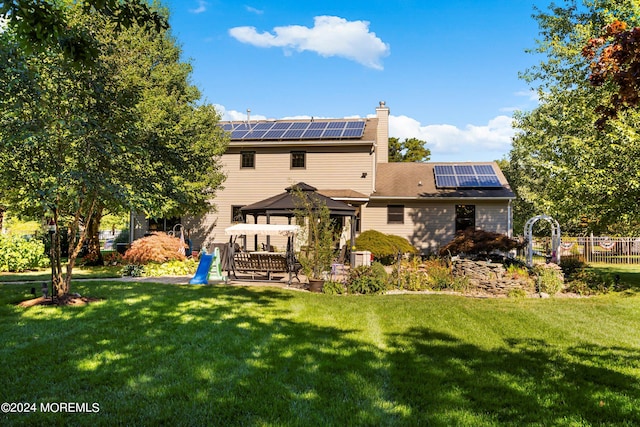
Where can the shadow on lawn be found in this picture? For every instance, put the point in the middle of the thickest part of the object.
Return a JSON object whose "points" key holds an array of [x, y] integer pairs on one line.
{"points": [[530, 382], [184, 355], [158, 354]]}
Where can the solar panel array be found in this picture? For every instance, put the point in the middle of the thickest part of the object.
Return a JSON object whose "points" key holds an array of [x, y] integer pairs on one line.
{"points": [[466, 176], [294, 130]]}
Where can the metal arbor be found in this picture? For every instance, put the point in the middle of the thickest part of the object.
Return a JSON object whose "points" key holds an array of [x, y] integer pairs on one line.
{"points": [[555, 238]]}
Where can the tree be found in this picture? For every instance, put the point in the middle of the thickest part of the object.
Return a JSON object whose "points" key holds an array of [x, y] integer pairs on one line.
{"points": [[123, 132], [615, 58], [587, 178], [39, 25], [409, 150]]}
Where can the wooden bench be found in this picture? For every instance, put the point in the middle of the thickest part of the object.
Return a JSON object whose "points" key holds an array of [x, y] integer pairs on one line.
{"points": [[263, 262]]}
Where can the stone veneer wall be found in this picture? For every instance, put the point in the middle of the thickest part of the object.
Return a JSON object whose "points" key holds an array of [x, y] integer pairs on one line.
{"points": [[491, 277]]}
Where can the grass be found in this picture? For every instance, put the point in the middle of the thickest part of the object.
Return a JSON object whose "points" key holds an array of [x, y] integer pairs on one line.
{"points": [[152, 354], [106, 272]]}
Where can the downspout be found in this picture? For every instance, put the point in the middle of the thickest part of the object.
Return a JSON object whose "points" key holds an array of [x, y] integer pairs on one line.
{"points": [[509, 219], [375, 167]]}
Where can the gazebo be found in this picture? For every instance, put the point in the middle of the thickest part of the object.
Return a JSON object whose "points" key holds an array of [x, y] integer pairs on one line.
{"points": [[285, 205]]}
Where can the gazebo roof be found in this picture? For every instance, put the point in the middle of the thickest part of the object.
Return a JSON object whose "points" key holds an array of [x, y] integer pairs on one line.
{"points": [[284, 204]]}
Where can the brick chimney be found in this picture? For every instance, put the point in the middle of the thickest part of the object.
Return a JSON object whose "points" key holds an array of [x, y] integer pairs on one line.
{"points": [[382, 136]]}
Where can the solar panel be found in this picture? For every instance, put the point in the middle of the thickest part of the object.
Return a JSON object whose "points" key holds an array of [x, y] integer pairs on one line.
{"points": [[351, 133], [255, 134], [463, 170], [443, 170], [466, 176], [293, 133], [318, 125], [262, 126], [312, 133], [484, 169], [281, 125], [336, 125], [489, 181], [276, 130], [332, 133], [238, 134], [468, 181], [302, 125], [446, 181], [355, 125]]}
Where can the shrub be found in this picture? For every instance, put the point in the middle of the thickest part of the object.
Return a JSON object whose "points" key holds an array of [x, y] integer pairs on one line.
{"points": [[517, 293], [475, 242], [331, 287], [18, 254], [367, 280], [158, 247], [133, 270], [571, 266], [171, 268], [114, 258], [384, 247], [439, 275], [409, 276], [586, 281], [548, 279]]}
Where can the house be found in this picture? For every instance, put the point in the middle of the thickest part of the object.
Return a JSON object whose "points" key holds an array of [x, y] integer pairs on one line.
{"points": [[347, 160]]}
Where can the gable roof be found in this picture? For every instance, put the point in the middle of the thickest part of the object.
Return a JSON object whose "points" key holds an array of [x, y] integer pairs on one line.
{"points": [[285, 204], [417, 181]]}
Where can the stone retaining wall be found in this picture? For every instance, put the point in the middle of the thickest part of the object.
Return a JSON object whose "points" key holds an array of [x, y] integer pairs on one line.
{"points": [[491, 278]]}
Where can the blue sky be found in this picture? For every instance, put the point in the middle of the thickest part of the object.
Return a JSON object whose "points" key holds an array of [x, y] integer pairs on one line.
{"points": [[448, 71]]}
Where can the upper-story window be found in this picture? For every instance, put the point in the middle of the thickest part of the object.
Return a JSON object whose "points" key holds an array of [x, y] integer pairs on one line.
{"points": [[298, 159], [247, 159]]}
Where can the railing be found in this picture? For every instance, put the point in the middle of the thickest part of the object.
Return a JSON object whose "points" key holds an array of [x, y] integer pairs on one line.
{"points": [[591, 249]]}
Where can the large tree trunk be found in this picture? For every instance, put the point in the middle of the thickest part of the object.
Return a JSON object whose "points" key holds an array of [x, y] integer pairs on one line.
{"points": [[93, 255]]}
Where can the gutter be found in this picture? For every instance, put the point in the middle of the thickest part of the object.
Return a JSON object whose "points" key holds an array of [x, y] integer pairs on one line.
{"points": [[439, 198]]}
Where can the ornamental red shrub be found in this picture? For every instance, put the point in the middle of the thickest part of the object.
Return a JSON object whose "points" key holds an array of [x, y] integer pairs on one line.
{"points": [[158, 247], [474, 242]]}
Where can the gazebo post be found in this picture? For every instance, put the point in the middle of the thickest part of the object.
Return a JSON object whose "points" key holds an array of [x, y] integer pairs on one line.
{"points": [[268, 237]]}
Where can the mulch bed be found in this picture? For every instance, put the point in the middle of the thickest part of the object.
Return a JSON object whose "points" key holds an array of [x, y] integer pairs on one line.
{"points": [[69, 299]]}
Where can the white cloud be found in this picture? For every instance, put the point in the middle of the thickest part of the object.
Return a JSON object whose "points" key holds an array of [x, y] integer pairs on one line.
{"points": [[236, 115], [450, 143], [488, 142], [531, 95], [254, 10], [202, 7], [329, 36]]}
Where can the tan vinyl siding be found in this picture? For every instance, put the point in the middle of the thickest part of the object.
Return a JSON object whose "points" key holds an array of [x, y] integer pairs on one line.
{"points": [[493, 217], [326, 168], [428, 226]]}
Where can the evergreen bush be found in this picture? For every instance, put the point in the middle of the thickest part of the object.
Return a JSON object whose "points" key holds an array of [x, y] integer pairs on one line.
{"points": [[384, 247]]}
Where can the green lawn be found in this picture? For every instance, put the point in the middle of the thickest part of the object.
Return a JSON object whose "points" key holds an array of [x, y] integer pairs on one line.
{"points": [[152, 354]]}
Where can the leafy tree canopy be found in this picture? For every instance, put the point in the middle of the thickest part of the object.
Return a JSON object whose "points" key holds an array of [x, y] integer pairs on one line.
{"points": [[41, 24], [561, 164], [409, 150], [615, 58], [123, 132]]}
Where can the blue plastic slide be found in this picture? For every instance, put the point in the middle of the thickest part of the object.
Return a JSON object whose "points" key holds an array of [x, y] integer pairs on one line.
{"points": [[207, 263], [202, 273]]}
